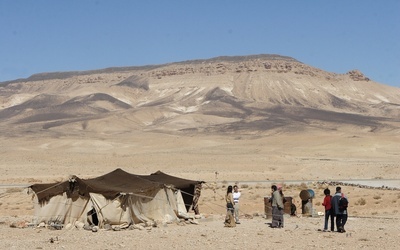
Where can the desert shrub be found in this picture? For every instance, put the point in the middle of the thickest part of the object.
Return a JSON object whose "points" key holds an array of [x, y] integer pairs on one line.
{"points": [[258, 186], [377, 197], [303, 186], [374, 213], [361, 202], [318, 203], [244, 186], [290, 186], [85, 125]]}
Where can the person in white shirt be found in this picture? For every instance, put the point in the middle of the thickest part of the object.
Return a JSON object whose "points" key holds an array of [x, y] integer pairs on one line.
{"points": [[236, 196]]}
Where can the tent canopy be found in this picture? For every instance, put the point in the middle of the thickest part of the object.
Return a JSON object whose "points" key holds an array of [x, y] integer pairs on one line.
{"points": [[177, 182], [112, 184], [109, 185]]}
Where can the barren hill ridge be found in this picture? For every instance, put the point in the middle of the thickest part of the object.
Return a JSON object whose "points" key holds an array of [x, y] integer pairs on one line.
{"points": [[241, 94]]}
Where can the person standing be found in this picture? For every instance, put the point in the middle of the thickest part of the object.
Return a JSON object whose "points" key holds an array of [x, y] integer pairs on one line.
{"points": [[229, 219], [277, 206], [338, 213], [283, 205], [195, 203], [236, 196], [343, 203], [328, 210]]}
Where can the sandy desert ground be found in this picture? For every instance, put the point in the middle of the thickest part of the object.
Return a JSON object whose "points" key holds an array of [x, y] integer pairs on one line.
{"points": [[296, 161], [299, 233]]}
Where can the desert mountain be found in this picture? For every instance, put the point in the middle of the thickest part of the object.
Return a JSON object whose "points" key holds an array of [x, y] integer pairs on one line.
{"points": [[259, 94]]}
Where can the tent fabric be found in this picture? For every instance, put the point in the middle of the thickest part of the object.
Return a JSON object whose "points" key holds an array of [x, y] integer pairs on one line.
{"points": [[116, 198], [61, 209], [46, 191], [186, 186], [160, 208], [164, 178], [118, 181], [109, 185], [180, 205]]}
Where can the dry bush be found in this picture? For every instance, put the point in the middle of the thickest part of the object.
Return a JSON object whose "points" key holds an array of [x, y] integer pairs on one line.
{"points": [[290, 186], [258, 186], [377, 197], [361, 202], [85, 125], [303, 186], [244, 186]]}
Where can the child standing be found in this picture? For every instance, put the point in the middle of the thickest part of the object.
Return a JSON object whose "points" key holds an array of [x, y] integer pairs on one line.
{"points": [[328, 211]]}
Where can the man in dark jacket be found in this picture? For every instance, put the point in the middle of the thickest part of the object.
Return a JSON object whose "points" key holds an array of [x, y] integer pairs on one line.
{"points": [[277, 207], [337, 211]]}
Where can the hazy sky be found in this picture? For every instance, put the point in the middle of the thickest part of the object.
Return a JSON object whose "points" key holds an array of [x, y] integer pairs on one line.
{"points": [[337, 36]]}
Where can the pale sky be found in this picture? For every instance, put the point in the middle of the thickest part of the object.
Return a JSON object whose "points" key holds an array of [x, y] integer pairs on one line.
{"points": [[336, 36]]}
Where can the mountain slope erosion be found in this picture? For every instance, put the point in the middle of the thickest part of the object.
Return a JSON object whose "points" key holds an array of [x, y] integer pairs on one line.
{"points": [[258, 94]]}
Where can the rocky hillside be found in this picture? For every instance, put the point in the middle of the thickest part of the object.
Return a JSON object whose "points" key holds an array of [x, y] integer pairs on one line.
{"points": [[245, 95]]}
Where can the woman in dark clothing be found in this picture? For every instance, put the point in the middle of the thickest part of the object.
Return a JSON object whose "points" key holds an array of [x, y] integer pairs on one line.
{"points": [[229, 219]]}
